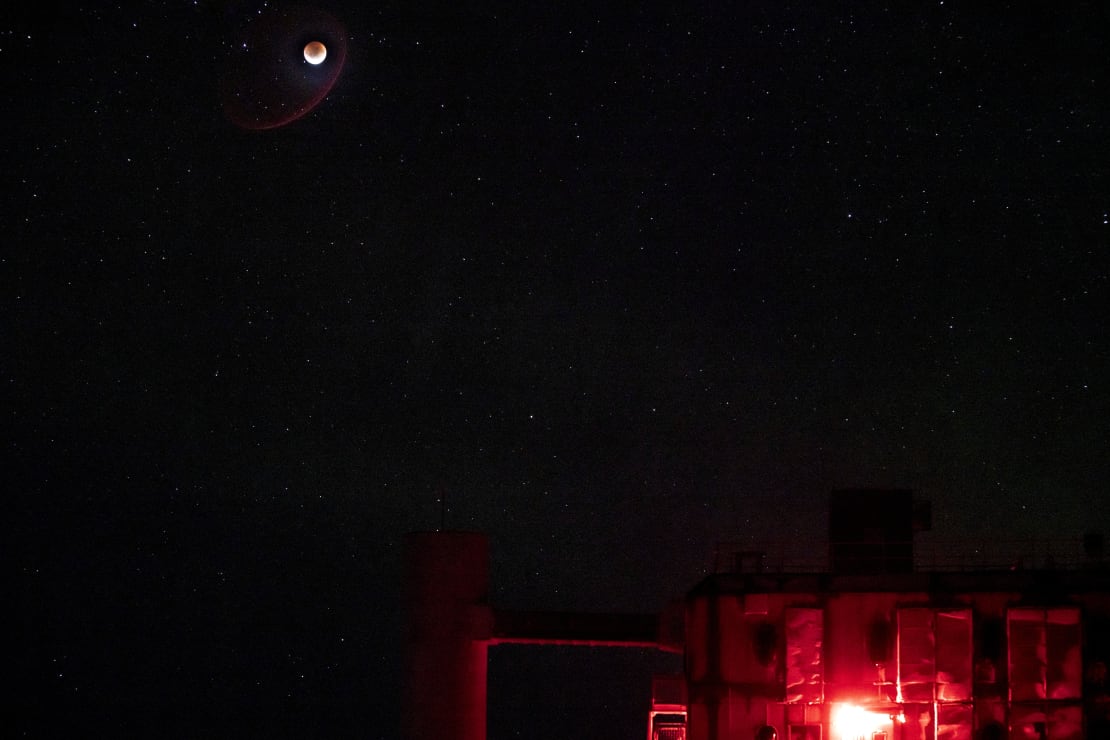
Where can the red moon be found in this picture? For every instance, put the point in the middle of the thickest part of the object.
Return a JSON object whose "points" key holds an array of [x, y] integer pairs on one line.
{"points": [[315, 52], [267, 82]]}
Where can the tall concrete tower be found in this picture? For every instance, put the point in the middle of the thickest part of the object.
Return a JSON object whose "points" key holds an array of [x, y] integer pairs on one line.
{"points": [[447, 630]]}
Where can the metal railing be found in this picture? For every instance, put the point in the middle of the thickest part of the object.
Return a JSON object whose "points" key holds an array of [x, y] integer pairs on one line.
{"points": [[929, 555]]}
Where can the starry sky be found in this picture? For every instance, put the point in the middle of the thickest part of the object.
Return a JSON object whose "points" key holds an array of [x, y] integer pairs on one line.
{"points": [[611, 285]]}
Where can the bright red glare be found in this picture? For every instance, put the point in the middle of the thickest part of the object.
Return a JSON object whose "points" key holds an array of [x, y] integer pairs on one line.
{"points": [[850, 722]]}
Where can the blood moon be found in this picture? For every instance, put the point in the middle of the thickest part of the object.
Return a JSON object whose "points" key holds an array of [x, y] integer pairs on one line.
{"points": [[315, 52], [281, 65]]}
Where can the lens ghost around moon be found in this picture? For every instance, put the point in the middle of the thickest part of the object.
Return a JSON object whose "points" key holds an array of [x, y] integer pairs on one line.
{"points": [[282, 64]]}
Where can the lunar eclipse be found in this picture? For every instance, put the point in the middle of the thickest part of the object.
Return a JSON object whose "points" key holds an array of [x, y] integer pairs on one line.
{"points": [[315, 52], [282, 65]]}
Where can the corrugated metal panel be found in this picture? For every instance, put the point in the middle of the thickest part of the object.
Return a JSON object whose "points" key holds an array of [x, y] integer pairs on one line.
{"points": [[1065, 722], [953, 655], [1063, 643], [805, 632], [934, 655], [916, 654], [1027, 722], [1045, 653], [1046, 722], [1026, 630], [954, 722]]}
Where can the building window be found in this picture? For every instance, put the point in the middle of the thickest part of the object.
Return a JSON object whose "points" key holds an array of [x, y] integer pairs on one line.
{"points": [[1045, 653], [934, 655]]}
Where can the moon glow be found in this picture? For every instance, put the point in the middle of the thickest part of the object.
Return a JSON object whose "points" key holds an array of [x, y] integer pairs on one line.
{"points": [[266, 82], [315, 52]]}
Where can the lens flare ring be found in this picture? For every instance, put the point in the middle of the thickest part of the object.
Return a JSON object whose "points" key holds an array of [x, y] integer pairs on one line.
{"points": [[270, 79]]}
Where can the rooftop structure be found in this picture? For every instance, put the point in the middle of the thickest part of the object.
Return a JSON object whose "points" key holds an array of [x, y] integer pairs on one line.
{"points": [[867, 642], [874, 648]]}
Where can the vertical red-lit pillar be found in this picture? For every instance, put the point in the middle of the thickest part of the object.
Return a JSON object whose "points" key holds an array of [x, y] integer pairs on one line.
{"points": [[447, 626]]}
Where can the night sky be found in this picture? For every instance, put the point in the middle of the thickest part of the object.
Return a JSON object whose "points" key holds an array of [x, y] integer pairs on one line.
{"points": [[609, 284]]}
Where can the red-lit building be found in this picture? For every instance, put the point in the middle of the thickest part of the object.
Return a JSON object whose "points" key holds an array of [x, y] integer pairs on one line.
{"points": [[866, 644], [873, 648]]}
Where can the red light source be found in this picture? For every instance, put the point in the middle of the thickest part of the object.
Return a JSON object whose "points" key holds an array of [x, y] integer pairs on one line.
{"points": [[850, 722]]}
